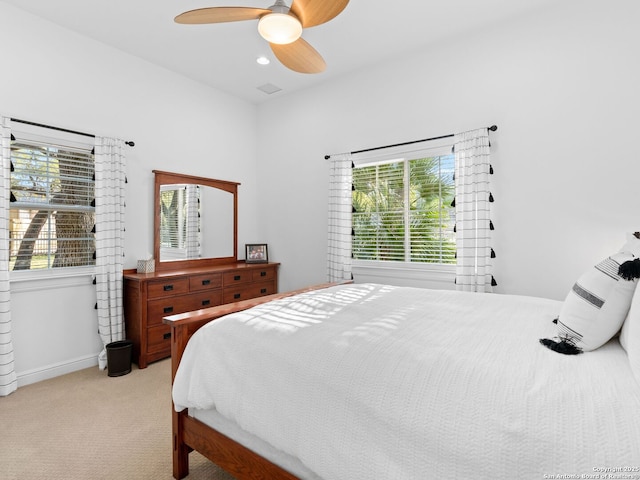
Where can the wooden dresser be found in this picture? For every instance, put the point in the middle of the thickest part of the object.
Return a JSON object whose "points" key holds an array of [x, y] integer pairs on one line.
{"points": [[148, 297]]}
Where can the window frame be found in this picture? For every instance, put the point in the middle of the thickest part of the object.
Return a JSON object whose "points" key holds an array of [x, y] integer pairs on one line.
{"points": [[404, 272], [41, 136]]}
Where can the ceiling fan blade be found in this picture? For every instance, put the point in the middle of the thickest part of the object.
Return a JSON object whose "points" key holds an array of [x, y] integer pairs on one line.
{"points": [[220, 15], [299, 56], [315, 12]]}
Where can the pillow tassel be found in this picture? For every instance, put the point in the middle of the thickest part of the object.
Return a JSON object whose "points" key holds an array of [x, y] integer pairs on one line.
{"points": [[564, 346], [630, 269]]}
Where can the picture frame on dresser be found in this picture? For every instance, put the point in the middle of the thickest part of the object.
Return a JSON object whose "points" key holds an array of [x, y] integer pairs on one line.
{"points": [[256, 253]]}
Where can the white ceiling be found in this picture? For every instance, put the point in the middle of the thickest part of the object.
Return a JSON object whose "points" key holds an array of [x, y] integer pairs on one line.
{"points": [[224, 55]]}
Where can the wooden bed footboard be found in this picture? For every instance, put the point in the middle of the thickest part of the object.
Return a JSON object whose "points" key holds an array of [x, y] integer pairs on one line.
{"points": [[190, 434]]}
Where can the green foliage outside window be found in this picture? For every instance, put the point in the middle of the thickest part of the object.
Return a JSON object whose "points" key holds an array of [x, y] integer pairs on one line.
{"points": [[403, 211]]}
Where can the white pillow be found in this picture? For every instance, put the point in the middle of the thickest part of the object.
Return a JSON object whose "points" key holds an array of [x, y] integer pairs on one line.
{"points": [[595, 308], [630, 334], [597, 305]]}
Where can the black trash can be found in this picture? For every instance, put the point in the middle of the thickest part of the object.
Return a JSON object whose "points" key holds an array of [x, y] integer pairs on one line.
{"points": [[119, 357]]}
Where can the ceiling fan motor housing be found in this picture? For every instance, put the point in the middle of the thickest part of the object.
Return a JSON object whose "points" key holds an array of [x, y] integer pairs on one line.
{"points": [[279, 7]]}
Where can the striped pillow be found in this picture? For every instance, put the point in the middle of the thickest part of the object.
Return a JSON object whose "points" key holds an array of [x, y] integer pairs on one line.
{"points": [[595, 308]]}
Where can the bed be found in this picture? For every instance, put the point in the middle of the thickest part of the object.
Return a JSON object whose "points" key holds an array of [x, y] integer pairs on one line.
{"points": [[360, 381]]}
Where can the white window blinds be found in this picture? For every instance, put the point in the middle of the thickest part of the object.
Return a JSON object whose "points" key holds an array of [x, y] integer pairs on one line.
{"points": [[402, 208], [180, 221], [52, 203]]}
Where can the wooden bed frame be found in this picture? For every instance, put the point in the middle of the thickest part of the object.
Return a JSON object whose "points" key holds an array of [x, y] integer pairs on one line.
{"points": [[190, 434]]}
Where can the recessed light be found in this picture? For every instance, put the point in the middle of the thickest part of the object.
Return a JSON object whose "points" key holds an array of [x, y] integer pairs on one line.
{"points": [[263, 60]]}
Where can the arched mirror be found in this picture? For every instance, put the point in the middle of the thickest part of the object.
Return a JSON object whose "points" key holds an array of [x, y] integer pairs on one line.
{"points": [[195, 221]]}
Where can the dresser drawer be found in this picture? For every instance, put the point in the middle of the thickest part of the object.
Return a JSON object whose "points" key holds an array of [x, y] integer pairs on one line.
{"points": [[243, 292], [205, 282], [204, 300], [159, 338], [165, 288], [237, 277], [263, 274], [264, 288], [163, 307]]}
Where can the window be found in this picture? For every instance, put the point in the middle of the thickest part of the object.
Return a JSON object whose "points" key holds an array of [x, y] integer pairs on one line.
{"points": [[173, 228], [179, 222], [52, 204], [402, 210]]}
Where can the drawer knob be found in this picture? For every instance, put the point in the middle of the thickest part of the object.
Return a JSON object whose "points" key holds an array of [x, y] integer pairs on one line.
{"points": [[167, 288], [263, 290], [206, 302], [167, 336], [236, 296], [263, 274], [206, 282], [236, 278], [168, 309]]}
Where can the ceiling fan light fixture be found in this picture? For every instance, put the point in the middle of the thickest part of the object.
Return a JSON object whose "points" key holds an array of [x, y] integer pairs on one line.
{"points": [[279, 28]]}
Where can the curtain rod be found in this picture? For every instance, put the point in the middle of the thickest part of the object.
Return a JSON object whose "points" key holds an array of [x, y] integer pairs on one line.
{"points": [[26, 122], [493, 128]]}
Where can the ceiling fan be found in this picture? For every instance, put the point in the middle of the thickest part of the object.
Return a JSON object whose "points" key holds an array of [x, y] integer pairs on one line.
{"points": [[280, 25]]}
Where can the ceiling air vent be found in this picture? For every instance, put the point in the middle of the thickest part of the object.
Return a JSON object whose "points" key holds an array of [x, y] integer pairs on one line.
{"points": [[269, 88]]}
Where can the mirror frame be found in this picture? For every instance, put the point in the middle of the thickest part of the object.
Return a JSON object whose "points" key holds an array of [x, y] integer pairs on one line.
{"points": [[165, 178]]}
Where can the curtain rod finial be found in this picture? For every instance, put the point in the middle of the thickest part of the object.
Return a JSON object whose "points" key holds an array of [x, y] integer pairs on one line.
{"points": [[327, 157], [493, 128], [130, 143]]}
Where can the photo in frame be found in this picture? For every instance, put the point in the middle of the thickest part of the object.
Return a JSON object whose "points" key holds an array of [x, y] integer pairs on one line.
{"points": [[256, 253]]}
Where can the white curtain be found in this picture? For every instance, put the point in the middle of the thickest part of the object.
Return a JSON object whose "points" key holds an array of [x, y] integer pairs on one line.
{"points": [[340, 205], [110, 206], [8, 380], [473, 222]]}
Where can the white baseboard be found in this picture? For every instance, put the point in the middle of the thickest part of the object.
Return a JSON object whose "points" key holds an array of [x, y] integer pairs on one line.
{"points": [[55, 370]]}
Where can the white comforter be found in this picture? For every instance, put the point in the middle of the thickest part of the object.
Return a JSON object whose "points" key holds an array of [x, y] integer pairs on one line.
{"points": [[379, 382]]}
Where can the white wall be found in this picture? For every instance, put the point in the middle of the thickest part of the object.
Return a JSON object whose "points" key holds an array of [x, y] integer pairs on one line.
{"points": [[56, 77], [562, 86]]}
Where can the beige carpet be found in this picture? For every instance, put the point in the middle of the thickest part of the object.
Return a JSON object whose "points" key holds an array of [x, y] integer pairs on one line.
{"points": [[89, 426]]}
